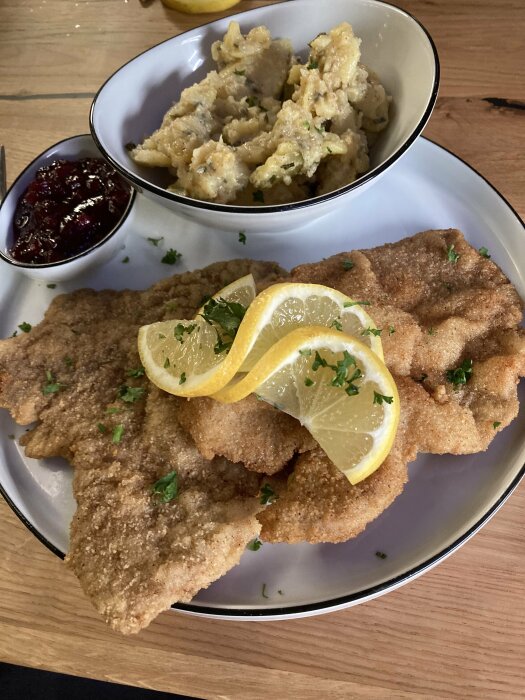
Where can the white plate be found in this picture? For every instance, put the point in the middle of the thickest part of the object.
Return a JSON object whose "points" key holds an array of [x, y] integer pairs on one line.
{"points": [[448, 498]]}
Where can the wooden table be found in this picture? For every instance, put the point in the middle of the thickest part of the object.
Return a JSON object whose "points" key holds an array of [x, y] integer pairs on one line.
{"points": [[457, 631]]}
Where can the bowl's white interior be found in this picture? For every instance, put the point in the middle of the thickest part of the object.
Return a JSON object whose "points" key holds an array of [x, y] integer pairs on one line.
{"points": [[130, 106]]}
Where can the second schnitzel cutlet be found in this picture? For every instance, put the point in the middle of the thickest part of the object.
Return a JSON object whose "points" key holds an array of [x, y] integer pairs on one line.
{"points": [[77, 373], [438, 303]]}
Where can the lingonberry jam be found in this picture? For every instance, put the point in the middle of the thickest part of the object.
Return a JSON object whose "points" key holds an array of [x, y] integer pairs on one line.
{"points": [[69, 207]]}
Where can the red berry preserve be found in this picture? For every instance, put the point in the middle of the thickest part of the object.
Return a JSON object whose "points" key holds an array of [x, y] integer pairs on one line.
{"points": [[69, 207]]}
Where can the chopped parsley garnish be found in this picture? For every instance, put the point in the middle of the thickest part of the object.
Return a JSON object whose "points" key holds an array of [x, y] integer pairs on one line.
{"points": [[112, 410], [432, 331], [347, 264], [308, 381], [161, 336], [341, 372], [221, 345], [182, 378], [258, 196], [313, 64], [496, 424], [391, 330], [25, 327], [166, 487], [381, 555], [52, 285], [138, 372], [14, 334], [118, 431], [240, 72], [180, 329], [242, 237], [51, 386], [166, 363], [130, 394], [422, 378], [254, 545], [263, 592], [372, 331], [171, 257], [484, 252], [452, 256], [68, 361], [268, 495], [318, 362], [227, 314], [305, 352], [461, 374], [252, 101], [320, 129], [102, 428], [307, 125], [155, 241], [287, 166], [336, 323], [130, 146], [126, 259], [379, 398], [347, 304], [329, 149]]}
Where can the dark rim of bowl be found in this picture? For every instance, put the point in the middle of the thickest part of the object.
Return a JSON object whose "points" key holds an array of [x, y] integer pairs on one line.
{"points": [[373, 591], [140, 183], [58, 263]]}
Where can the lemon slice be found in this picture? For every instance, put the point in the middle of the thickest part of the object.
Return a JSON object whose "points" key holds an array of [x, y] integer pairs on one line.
{"points": [[242, 291], [179, 355], [194, 7], [185, 357], [283, 307], [336, 387]]}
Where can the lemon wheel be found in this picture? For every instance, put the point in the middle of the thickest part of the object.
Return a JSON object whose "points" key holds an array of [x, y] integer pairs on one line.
{"points": [[336, 387]]}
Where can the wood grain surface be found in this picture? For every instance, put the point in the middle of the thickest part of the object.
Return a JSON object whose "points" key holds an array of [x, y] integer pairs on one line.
{"points": [[456, 632]]}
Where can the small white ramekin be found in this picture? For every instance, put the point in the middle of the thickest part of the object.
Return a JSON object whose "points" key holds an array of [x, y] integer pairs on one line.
{"points": [[73, 148]]}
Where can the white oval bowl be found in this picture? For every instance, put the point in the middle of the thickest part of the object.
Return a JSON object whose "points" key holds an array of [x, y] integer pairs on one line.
{"points": [[72, 148], [132, 102]]}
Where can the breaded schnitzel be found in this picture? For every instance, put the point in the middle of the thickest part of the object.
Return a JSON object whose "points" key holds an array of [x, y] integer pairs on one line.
{"points": [[263, 438], [78, 374], [133, 554]]}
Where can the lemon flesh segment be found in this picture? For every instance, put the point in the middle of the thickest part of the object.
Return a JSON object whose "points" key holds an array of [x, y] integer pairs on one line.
{"points": [[356, 432], [284, 307], [242, 291], [194, 7], [179, 356]]}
